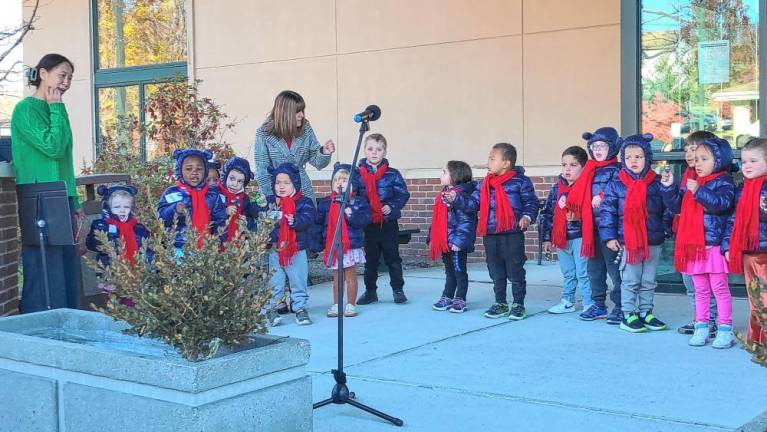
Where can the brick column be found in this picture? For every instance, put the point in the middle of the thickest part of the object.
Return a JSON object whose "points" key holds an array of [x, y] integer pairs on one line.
{"points": [[9, 248]]}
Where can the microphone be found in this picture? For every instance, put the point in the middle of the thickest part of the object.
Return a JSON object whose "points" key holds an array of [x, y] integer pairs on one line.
{"points": [[371, 113]]}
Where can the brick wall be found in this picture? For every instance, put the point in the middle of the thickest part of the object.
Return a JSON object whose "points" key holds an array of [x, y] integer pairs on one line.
{"points": [[417, 215], [9, 248]]}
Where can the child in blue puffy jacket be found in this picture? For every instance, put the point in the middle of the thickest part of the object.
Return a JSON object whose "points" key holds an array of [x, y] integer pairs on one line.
{"points": [[453, 232], [355, 218], [290, 238], [192, 200]]}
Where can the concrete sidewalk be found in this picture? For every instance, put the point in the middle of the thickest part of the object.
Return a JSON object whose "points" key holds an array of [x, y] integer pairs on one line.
{"points": [[458, 372]]}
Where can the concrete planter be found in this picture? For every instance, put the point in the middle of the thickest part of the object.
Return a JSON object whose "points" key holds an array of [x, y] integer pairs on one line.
{"points": [[67, 370]]}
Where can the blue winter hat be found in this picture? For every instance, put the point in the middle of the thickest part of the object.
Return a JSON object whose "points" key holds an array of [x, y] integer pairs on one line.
{"points": [[241, 165], [606, 134], [181, 155], [722, 153], [107, 191], [642, 140], [291, 171]]}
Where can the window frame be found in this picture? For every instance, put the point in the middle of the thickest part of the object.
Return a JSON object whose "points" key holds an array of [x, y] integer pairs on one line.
{"points": [[128, 76]]}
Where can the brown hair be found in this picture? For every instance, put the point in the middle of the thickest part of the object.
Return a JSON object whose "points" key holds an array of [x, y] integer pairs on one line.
{"points": [[282, 118], [698, 137], [578, 153], [757, 144], [508, 152], [460, 172], [377, 137]]}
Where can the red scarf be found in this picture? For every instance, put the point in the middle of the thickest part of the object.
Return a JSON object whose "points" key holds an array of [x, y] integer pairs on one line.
{"points": [[745, 233], [688, 174], [579, 202], [504, 213], [333, 214], [438, 239], [371, 186], [559, 228], [125, 229], [200, 211], [691, 239], [635, 216], [288, 239], [236, 199]]}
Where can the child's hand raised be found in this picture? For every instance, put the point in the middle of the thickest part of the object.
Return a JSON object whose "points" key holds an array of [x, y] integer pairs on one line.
{"points": [[596, 201], [454, 248], [180, 208], [385, 210], [450, 195], [524, 223], [231, 210], [290, 218], [692, 185], [613, 245], [667, 178], [348, 212]]}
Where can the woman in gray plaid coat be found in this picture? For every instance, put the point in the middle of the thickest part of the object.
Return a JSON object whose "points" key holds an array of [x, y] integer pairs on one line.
{"points": [[286, 136]]}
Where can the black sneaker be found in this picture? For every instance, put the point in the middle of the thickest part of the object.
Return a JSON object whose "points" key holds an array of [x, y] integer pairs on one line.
{"points": [[615, 317], [517, 312], [497, 310], [686, 329], [399, 297], [633, 324], [652, 323], [367, 298], [302, 317]]}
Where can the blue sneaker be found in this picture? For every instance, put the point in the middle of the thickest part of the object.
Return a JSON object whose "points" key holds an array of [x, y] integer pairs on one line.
{"points": [[593, 312], [615, 317], [442, 304]]}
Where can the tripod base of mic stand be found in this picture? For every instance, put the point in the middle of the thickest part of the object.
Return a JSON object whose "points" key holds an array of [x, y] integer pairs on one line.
{"points": [[341, 395]]}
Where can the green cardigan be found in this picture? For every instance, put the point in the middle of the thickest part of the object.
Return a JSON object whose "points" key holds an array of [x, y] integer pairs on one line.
{"points": [[41, 141]]}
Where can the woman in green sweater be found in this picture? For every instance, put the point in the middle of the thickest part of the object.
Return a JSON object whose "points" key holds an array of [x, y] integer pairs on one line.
{"points": [[41, 140]]}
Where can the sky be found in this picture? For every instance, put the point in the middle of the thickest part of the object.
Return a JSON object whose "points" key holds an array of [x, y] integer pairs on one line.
{"points": [[10, 91]]}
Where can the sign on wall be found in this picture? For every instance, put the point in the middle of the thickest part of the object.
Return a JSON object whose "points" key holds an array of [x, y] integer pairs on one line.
{"points": [[714, 62]]}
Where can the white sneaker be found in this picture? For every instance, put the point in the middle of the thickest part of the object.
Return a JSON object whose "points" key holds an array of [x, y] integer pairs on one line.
{"points": [[350, 311], [563, 306], [333, 311], [724, 337], [700, 336]]}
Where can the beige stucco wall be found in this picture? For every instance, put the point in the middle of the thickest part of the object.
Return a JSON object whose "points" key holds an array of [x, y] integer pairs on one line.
{"points": [[452, 77]]}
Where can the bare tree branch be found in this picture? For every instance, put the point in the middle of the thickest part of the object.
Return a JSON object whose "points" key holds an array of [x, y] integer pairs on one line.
{"points": [[12, 38]]}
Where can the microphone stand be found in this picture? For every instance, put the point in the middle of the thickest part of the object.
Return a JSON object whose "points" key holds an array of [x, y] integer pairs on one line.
{"points": [[340, 394]]}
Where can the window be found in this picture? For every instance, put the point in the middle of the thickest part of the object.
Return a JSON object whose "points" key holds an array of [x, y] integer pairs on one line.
{"points": [[699, 70], [137, 43]]}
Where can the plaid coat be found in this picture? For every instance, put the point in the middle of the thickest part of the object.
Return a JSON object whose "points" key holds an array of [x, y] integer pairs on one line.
{"points": [[271, 150]]}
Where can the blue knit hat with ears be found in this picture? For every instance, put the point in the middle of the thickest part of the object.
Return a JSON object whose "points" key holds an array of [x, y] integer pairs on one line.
{"points": [[241, 165], [291, 171], [722, 152], [181, 155], [645, 142], [606, 134], [107, 191]]}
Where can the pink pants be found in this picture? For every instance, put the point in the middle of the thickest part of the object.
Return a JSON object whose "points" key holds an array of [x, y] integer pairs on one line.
{"points": [[716, 282]]}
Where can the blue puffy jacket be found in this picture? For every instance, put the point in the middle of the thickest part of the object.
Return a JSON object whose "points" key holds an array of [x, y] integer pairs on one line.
{"points": [[462, 218], [546, 224], [101, 224], [302, 223], [602, 178], [249, 210], [762, 221], [522, 196], [392, 190], [611, 213], [173, 195], [355, 224], [717, 198]]}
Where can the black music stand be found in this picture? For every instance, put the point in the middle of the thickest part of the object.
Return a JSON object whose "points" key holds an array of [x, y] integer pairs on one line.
{"points": [[45, 218]]}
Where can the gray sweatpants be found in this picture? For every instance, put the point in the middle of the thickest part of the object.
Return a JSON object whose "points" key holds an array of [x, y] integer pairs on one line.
{"points": [[638, 283]]}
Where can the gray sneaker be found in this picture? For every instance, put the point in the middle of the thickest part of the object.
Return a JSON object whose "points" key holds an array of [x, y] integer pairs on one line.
{"points": [[302, 317], [273, 318]]}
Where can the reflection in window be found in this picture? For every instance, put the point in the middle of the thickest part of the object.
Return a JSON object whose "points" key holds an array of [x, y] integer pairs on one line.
{"points": [[699, 69], [140, 32], [119, 118]]}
